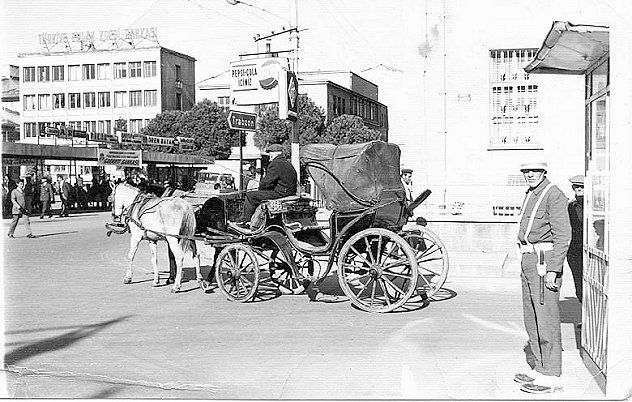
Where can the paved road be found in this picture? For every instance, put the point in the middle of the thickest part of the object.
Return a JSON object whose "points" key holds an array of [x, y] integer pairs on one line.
{"points": [[74, 330]]}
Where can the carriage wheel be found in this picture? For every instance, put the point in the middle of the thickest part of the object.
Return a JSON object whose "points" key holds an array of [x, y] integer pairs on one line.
{"points": [[432, 259], [281, 272], [377, 270], [237, 272]]}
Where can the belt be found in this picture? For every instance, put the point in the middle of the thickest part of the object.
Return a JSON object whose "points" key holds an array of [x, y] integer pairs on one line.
{"points": [[535, 248]]}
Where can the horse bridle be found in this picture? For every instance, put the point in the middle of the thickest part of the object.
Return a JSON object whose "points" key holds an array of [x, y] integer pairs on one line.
{"points": [[125, 212]]}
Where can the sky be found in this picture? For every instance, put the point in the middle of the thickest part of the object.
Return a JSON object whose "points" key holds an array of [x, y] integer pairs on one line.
{"points": [[335, 34]]}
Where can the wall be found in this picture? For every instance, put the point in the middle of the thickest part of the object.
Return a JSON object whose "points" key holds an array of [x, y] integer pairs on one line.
{"points": [[169, 59]]}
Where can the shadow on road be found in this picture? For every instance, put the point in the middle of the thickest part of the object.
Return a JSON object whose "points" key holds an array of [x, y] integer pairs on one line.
{"points": [[54, 234], [106, 393], [57, 342]]}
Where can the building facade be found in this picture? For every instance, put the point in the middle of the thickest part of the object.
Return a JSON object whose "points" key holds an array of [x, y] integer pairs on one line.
{"points": [[92, 90]]}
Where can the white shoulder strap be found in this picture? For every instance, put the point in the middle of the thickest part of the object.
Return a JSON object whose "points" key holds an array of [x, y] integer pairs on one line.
{"points": [[535, 209]]}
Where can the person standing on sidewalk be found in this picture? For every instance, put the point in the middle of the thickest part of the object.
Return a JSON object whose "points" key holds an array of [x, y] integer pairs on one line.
{"points": [[575, 256], [64, 193], [18, 210], [47, 196], [543, 237]]}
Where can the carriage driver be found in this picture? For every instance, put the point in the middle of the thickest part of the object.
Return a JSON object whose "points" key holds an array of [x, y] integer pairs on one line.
{"points": [[543, 238], [279, 181]]}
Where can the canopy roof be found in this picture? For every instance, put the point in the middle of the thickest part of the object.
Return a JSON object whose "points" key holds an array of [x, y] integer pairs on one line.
{"points": [[570, 49], [370, 171]]}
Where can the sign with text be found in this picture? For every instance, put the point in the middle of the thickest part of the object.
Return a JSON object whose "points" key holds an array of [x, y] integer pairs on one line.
{"points": [[242, 120], [254, 81], [288, 95], [119, 157]]}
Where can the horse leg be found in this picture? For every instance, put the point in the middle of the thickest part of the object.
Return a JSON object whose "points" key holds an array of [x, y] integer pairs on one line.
{"points": [[179, 257], [133, 246], [198, 273], [154, 262]]}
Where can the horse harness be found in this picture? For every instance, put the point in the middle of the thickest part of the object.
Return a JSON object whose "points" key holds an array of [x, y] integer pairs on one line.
{"points": [[142, 205]]}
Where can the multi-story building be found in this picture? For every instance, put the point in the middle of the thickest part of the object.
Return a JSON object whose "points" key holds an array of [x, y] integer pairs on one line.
{"points": [[10, 103], [92, 90]]}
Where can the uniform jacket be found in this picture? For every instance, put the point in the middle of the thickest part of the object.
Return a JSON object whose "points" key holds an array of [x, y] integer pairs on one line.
{"points": [[551, 223], [18, 201], [46, 192], [576, 215], [280, 178]]}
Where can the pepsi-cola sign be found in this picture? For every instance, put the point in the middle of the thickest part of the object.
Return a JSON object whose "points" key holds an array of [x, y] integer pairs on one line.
{"points": [[255, 81]]}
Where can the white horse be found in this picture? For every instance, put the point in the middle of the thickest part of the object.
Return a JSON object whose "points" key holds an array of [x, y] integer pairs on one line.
{"points": [[151, 218]]}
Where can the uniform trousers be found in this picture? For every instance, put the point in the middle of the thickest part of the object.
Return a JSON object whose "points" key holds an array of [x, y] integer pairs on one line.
{"points": [[542, 322], [575, 258]]}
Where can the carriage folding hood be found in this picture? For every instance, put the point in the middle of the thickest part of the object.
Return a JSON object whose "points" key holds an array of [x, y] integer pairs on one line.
{"points": [[368, 170]]}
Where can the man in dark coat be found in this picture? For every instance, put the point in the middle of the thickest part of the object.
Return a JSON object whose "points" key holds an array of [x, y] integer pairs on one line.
{"points": [[64, 193], [575, 255], [279, 181], [47, 196]]}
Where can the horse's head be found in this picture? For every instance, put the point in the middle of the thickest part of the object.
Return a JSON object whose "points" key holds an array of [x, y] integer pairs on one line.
{"points": [[123, 197]]}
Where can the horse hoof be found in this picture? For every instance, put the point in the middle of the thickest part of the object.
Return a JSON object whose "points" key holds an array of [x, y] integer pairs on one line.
{"points": [[127, 280], [175, 290], [203, 284], [155, 283], [170, 281]]}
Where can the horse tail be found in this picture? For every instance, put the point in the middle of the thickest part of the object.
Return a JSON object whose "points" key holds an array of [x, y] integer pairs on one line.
{"points": [[188, 229]]}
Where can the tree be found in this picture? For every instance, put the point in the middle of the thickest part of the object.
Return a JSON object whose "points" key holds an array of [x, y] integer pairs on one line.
{"points": [[349, 129], [165, 124], [273, 130], [207, 124]]}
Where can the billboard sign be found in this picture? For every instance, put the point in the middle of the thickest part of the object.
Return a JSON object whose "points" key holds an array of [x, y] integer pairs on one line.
{"points": [[242, 120], [255, 81], [119, 157]]}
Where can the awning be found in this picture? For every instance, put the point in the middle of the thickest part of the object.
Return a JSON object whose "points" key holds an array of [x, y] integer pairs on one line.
{"points": [[570, 49]]}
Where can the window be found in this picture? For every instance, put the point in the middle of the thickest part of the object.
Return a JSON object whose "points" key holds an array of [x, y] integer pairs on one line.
{"points": [[58, 73], [75, 125], [74, 100], [104, 99], [178, 72], [43, 73], [135, 125], [513, 100], [43, 101], [119, 98], [30, 130], [89, 99], [149, 68], [105, 127], [73, 73], [178, 101], [59, 101], [89, 72], [28, 75], [135, 98], [90, 126], [150, 98], [29, 102], [120, 70], [134, 69], [103, 71]]}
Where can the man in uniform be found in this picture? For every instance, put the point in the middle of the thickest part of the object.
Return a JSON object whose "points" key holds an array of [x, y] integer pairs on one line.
{"points": [[575, 256], [543, 237], [279, 181]]}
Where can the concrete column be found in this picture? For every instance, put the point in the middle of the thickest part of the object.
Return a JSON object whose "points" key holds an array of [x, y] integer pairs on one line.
{"points": [[619, 347]]}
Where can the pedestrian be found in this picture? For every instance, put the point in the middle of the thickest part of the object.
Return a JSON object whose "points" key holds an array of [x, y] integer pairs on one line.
{"points": [[47, 196], [64, 193], [19, 210], [29, 192], [543, 237], [407, 181], [36, 205], [575, 256], [280, 181]]}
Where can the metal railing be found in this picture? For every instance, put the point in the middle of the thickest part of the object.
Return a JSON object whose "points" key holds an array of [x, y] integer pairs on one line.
{"points": [[595, 307]]}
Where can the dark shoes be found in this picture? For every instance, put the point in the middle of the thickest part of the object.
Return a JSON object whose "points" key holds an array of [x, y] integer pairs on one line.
{"points": [[522, 378], [30, 236], [10, 236], [539, 389]]}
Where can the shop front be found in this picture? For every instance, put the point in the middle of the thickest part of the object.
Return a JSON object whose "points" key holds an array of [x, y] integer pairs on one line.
{"points": [[591, 51]]}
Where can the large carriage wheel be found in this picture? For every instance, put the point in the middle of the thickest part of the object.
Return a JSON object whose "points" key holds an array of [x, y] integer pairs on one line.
{"points": [[377, 270], [237, 272], [432, 259]]}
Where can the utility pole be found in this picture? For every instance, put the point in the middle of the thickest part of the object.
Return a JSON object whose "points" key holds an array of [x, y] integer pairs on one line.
{"points": [[295, 140]]}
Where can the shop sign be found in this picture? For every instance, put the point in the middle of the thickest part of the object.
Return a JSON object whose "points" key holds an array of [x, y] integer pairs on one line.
{"points": [[119, 157], [255, 81], [18, 161]]}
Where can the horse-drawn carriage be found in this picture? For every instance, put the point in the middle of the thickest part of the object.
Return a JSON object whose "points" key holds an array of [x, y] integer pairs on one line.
{"points": [[381, 259]]}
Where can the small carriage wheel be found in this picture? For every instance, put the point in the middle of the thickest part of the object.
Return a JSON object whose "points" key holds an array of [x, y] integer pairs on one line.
{"points": [[432, 259], [237, 272], [377, 270], [281, 272]]}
